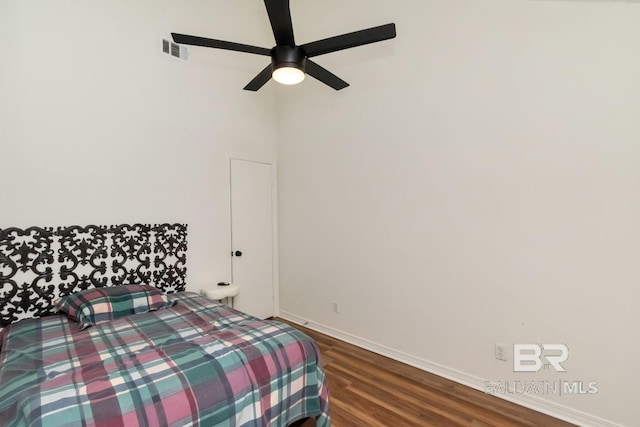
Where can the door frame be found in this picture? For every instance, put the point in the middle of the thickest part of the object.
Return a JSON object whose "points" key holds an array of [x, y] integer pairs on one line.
{"points": [[274, 230]]}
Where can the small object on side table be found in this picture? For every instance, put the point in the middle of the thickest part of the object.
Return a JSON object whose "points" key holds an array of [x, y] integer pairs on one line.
{"points": [[220, 292]]}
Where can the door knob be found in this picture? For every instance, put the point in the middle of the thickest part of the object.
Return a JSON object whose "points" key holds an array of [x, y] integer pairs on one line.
{"points": [[237, 253]]}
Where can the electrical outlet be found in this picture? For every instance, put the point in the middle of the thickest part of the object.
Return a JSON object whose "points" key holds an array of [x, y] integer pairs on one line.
{"points": [[501, 352], [336, 307]]}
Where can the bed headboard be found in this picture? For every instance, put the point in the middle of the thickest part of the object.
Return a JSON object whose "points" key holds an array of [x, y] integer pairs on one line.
{"points": [[40, 264]]}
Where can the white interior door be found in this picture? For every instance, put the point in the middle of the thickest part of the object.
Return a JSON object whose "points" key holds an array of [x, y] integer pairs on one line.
{"points": [[252, 237]]}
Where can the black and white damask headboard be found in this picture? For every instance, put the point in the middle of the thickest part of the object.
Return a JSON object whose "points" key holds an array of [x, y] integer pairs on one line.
{"points": [[40, 264]]}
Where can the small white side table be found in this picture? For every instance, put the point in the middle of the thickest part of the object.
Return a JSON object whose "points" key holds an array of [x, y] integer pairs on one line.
{"points": [[219, 293]]}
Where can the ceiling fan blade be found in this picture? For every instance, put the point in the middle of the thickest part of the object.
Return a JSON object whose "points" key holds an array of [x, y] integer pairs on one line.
{"points": [[219, 44], [260, 80], [280, 17], [349, 40], [325, 76]]}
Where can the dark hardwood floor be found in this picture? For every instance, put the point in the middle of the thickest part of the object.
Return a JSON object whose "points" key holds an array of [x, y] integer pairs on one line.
{"points": [[367, 389]]}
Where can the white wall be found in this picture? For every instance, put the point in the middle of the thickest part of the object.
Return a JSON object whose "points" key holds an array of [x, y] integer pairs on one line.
{"points": [[477, 183], [98, 126]]}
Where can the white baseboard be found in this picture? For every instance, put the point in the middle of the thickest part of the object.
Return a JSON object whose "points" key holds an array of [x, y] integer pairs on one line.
{"points": [[527, 400]]}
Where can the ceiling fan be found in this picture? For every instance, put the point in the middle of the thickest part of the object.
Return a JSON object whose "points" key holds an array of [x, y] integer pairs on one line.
{"points": [[290, 62]]}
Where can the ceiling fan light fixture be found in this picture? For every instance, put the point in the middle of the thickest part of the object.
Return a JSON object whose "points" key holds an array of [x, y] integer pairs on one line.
{"points": [[288, 75], [288, 64]]}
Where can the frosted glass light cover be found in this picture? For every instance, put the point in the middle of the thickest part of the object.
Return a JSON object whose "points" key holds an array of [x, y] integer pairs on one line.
{"points": [[288, 75]]}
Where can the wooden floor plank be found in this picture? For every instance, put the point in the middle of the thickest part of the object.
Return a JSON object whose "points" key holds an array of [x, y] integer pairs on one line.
{"points": [[367, 389]]}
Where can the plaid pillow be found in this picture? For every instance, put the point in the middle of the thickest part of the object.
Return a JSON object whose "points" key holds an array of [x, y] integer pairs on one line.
{"points": [[93, 306]]}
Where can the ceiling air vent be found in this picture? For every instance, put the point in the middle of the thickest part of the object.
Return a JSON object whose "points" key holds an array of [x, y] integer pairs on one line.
{"points": [[174, 49]]}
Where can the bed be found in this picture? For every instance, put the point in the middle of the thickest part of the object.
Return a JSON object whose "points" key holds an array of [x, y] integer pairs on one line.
{"points": [[191, 362]]}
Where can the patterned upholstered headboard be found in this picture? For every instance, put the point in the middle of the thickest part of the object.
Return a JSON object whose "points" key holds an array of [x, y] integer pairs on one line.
{"points": [[40, 264]]}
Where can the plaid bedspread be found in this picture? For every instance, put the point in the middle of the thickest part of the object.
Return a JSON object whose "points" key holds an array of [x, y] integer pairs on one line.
{"points": [[197, 363]]}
